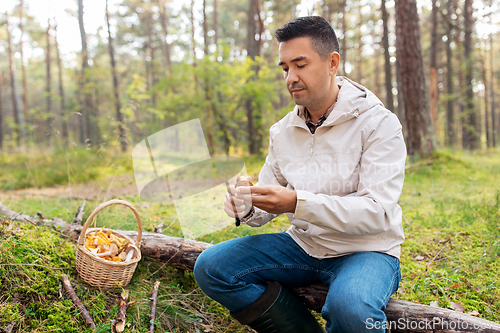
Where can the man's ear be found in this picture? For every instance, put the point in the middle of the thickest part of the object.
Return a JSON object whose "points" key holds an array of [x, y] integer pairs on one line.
{"points": [[334, 60]]}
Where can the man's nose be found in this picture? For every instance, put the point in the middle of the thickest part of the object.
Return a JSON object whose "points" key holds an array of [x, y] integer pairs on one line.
{"points": [[291, 77]]}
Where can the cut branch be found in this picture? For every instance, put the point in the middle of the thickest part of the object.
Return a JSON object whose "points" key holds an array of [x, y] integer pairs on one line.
{"points": [[154, 299], [121, 317], [79, 215], [69, 289], [159, 228]]}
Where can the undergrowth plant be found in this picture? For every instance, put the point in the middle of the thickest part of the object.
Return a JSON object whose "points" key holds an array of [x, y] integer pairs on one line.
{"points": [[40, 168], [450, 257]]}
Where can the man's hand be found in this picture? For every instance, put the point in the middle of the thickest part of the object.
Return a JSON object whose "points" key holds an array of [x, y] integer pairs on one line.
{"points": [[237, 204], [271, 198]]}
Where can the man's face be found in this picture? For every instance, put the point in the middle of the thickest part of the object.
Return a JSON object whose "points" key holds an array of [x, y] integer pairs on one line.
{"points": [[308, 78]]}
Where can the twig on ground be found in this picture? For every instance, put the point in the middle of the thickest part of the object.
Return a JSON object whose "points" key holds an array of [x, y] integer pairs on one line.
{"points": [[159, 228], [30, 221], [79, 214], [69, 289], [121, 317], [10, 327], [154, 298], [437, 254]]}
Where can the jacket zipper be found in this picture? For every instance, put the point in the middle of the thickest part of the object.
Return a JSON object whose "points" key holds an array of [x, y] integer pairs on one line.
{"points": [[312, 144]]}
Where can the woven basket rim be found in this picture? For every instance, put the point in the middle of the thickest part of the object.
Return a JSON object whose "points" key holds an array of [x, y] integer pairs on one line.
{"points": [[104, 261], [107, 262]]}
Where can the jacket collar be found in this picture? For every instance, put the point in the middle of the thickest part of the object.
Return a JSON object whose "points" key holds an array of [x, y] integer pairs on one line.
{"points": [[353, 100]]}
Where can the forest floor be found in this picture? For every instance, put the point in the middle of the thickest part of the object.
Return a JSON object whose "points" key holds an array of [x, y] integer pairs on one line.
{"points": [[450, 258]]}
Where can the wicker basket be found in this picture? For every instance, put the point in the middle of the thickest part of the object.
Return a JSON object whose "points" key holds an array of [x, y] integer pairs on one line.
{"points": [[99, 272]]}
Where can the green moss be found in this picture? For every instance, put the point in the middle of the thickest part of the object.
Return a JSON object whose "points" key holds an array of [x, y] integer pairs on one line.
{"points": [[451, 254]]}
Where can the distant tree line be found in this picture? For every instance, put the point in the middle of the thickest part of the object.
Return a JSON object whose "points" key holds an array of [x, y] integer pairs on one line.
{"points": [[153, 65]]}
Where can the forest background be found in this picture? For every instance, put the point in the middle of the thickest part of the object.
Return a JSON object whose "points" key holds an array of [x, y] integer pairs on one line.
{"points": [[153, 64]]}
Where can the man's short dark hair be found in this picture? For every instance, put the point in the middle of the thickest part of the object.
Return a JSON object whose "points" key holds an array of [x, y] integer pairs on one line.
{"points": [[323, 38]]}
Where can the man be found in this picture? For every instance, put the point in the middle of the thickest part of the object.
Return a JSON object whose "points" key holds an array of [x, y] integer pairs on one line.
{"points": [[336, 168]]}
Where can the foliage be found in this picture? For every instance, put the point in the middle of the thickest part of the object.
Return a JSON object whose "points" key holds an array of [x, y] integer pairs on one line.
{"points": [[39, 168], [451, 253]]}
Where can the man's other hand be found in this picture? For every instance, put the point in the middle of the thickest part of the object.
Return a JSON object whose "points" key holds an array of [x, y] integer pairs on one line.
{"points": [[273, 199]]}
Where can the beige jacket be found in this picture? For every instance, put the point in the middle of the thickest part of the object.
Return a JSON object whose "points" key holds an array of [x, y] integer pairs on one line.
{"points": [[348, 176]]}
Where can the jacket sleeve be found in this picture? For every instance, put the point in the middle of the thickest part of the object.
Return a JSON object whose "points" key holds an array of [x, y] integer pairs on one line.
{"points": [[269, 175], [374, 206]]}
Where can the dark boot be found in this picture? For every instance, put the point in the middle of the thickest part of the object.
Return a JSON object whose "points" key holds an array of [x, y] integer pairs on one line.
{"points": [[278, 311]]}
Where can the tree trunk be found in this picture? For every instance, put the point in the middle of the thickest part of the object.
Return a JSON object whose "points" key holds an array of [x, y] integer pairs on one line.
{"points": [[434, 77], [84, 95], [163, 23], [18, 113], [205, 29], [387, 65], [251, 28], [48, 90], [23, 68], [486, 102], [62, 113], [253, 51], [343, 49], [411, 65], [119, 116], [492, 92], [472, 131], [451, 136], [208, 118], [151, 51], [193, 40], [2, 112], [215, 24], [359, 57], [376, 61]]}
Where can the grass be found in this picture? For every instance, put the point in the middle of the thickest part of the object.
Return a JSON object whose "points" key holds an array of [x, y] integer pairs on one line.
{"points": [[451, 252], [38, 168]]}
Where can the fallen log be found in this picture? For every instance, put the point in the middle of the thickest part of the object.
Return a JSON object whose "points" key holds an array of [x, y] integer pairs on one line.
{"points": [[70, 229], [402, 316]]}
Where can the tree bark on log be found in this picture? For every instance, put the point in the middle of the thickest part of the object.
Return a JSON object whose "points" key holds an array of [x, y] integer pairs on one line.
{"points": [[403, 316], [181, 253]]}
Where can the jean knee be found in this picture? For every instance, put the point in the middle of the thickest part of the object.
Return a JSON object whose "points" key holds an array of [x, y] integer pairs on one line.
{"points": [[345, 312], [202, 269]]}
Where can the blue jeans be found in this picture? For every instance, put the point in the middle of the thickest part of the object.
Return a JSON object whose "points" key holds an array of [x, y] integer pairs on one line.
{"points": [[234, 273]]}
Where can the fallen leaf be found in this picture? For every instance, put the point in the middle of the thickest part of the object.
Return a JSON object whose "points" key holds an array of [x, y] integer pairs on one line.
{"points": [[454, 286], [419, 258], [457, 306]]}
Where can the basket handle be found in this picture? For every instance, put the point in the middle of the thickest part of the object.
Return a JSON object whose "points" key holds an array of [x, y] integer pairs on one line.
{"points": [[81, 239]]}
